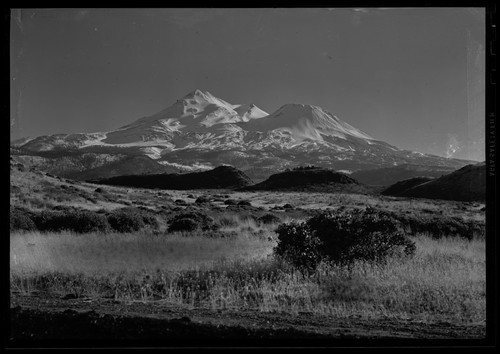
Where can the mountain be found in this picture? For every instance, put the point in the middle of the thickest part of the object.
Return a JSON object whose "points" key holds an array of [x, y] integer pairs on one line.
{"points": [[200, 131], [222, 177], [465, 184], [309, 179], [389, 175]]}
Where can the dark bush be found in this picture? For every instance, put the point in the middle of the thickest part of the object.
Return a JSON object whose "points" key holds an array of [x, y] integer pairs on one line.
{"points": [[148, 216], [201, 200], [298, 245], [126, 220], [196, 221], [88, 221], [244, 203], [230, 202], [269, 219], [288, 206], [80, 221], [20, 219], [183, 224], [439, 226], [151, 221], [342, 238]]}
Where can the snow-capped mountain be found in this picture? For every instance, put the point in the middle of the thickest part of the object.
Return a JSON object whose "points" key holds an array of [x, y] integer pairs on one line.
{"points": [[201, 131]]}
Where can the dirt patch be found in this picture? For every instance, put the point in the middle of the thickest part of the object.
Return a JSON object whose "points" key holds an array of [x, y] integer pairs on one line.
{"points": [[73, 322]]}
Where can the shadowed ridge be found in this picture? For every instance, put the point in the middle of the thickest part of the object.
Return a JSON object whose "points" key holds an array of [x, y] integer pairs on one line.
{"points": [[309, 179], [222, 177], [400, 187], [466, 184]]}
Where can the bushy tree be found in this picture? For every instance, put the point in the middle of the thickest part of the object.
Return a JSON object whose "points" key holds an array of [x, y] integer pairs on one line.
{"points": [[343, 238], [298, 245]]}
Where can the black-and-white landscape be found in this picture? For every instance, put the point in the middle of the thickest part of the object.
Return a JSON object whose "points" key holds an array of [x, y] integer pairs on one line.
{"points": [[263, 218]]}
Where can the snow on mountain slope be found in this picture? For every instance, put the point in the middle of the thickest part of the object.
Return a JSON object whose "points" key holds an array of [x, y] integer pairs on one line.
{"points": [[249, 111], [196, 112], [202, 130], [306, 122]]}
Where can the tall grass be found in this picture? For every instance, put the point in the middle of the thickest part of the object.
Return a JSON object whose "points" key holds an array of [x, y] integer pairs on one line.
{"points": [[444, 281], [97, 253]]}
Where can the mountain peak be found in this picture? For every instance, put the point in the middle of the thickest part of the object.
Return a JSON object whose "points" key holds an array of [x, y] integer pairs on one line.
{"points": [[200, 94], [304, 121]]}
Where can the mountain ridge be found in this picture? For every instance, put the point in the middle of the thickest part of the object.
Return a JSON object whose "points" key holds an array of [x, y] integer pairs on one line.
{"points": [[465, 184], [201, 131]]}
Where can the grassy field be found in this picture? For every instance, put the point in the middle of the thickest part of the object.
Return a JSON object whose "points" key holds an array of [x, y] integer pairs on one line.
{"points": [[445, 280]]}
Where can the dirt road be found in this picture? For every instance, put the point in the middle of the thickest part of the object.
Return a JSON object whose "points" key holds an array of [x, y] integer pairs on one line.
{"points": [[47, 320]]}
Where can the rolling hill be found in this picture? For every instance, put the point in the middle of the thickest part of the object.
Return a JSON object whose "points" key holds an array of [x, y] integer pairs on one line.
{"points": [[465, 184]]}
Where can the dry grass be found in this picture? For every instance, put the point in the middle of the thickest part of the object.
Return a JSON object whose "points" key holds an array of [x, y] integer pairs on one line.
{"points": [[444, 281], [94, 253]]}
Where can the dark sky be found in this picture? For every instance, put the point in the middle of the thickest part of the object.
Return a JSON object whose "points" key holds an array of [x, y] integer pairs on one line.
{"points": [[411, 77]]}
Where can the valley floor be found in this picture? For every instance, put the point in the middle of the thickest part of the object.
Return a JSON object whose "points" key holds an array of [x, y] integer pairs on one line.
{"points": [[196, 288]]}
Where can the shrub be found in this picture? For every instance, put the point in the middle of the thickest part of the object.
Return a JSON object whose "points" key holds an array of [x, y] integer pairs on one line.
{"points": [[244, 203], [342, 238], [80, 221], [150, 220], [269, 219], [201, 200], [183, 224], [88, 221], [126, 220], [192, 221], [298, 245], [20, 219], [230, 202], [439, 226], [148, 216], [367, 235]]}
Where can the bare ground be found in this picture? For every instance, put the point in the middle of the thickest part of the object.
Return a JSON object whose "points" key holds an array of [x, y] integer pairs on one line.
{"points": [[75, 322]]}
